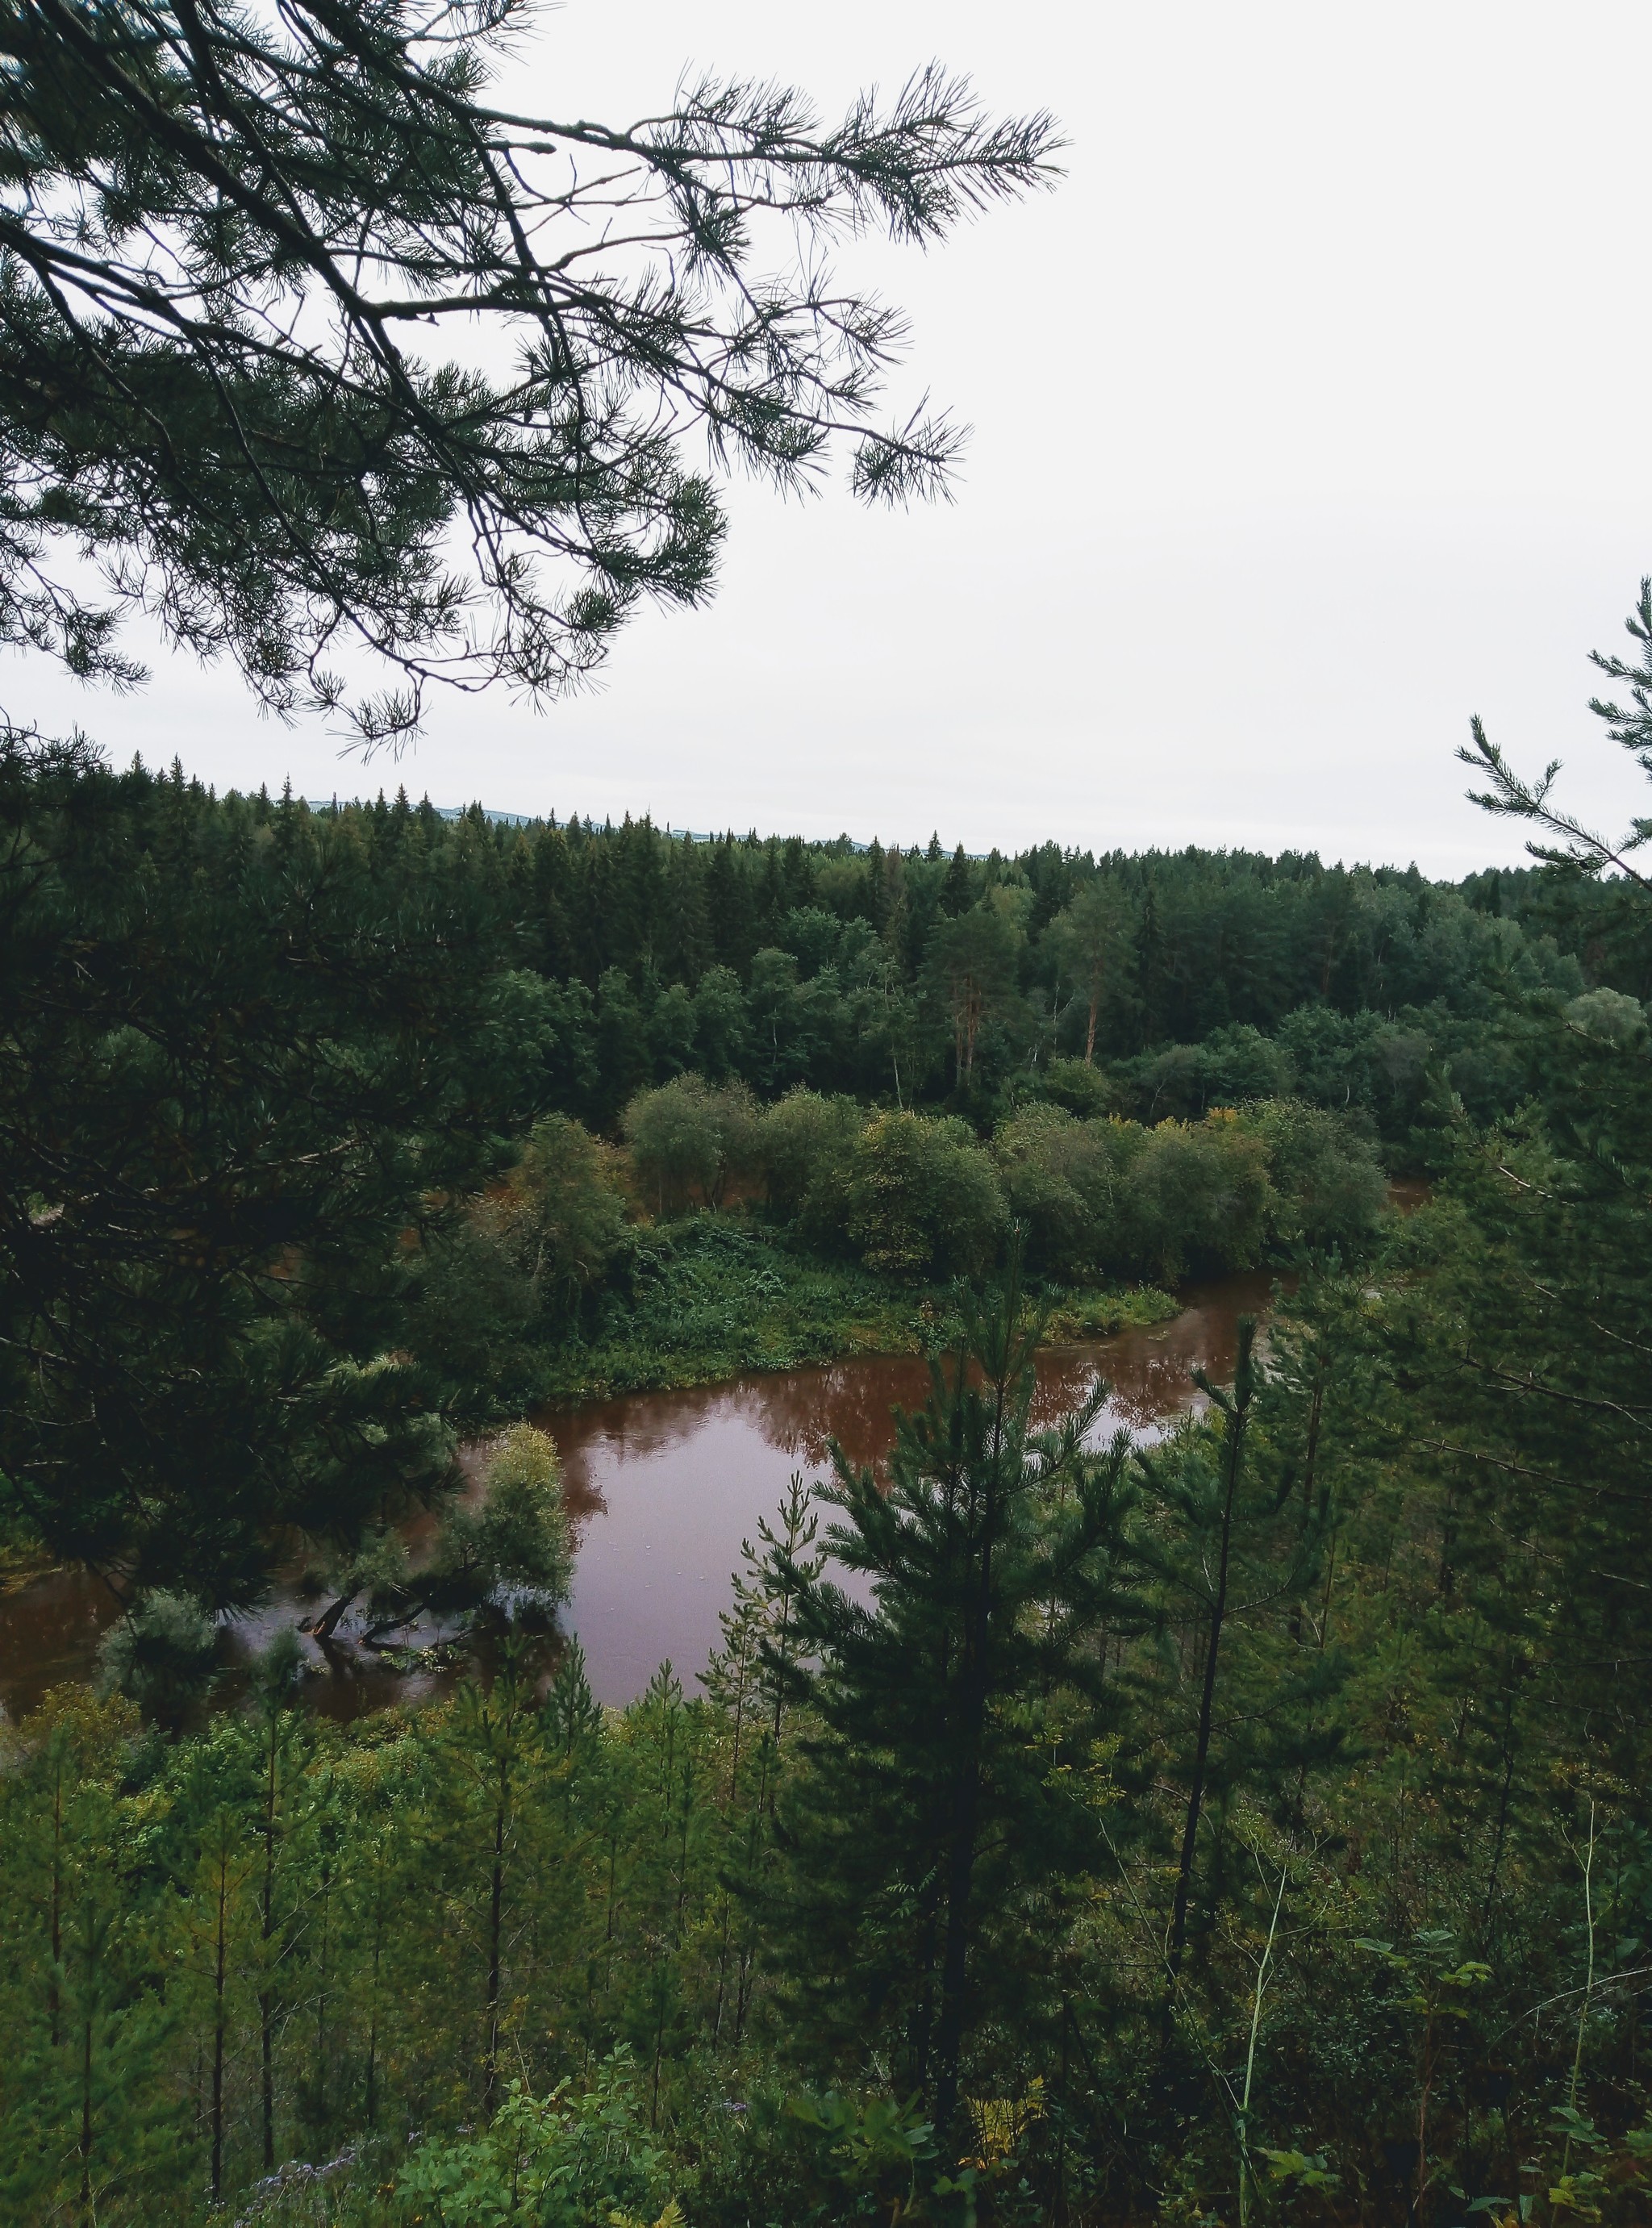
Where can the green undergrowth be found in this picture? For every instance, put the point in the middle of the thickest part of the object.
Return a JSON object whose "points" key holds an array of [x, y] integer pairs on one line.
{"points": [[711, 1296]]}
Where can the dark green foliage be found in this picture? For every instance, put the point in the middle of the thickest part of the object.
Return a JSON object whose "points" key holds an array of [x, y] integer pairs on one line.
{"points": [[924, 1199], [560, 1215], [254, 1059], [931, 1817], [160, 1656], [1250, 1825], [1326, 1183], [235, 249], [705, 1299], [690, 1140]]}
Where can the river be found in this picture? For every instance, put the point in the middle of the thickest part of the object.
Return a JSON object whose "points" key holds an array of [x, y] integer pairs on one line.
{"points": [[662, 1489]]}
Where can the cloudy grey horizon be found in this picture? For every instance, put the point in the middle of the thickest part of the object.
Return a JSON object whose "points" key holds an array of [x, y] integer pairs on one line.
{"points": [[1304, 415]]}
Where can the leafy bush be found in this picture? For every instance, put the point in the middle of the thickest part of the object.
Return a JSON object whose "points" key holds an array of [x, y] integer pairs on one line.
{"points": [[575, 2159], [924, 1198], [510, 1551], [1112, 1197], [1196, 1198], [805, 1150], [689, 1137], [1612, 1015], [1080, 1088], [1232, 1066], [561, 1214], [1064, 1179], [1329, 1186]]}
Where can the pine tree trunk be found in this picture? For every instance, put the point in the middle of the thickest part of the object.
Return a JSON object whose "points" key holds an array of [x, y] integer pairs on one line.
{"points": [[966, 1805], [218, 2025], [87, 2213], [495, 1914], [54, 1993], [1207, 1695], [266, 1931], [86, 2118]]}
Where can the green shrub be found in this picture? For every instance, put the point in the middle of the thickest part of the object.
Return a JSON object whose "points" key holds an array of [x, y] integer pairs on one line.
{"points": [[1612, 1015], [1197, 1197], [1231, 1067], [561, 1214], [160, 1656], [1063, 1178], [805, 1150], [688, 1139], [511, 1551], [1327, 1185], [1081, 1089], [575, 2159], [924, 1198]]}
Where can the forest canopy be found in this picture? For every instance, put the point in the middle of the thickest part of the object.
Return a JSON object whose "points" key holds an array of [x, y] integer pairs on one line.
{"points": [[1242, 1824]]}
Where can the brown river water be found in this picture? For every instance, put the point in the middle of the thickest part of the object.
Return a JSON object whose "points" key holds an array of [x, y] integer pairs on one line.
{"points": [[662, 1487]]}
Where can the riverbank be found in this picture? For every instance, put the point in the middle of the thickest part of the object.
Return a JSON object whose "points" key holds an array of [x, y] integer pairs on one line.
{"points": [[663, 1484], [715, 1297]]}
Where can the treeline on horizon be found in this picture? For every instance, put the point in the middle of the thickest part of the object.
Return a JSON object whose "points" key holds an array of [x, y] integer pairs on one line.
{"points": [[918, 976]]}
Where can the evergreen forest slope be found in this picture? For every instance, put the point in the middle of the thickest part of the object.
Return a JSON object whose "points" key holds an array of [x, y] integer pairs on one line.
{"points": [[1248, 1827]]}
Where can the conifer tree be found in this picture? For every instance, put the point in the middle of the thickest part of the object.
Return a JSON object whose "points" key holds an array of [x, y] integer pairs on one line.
{"points": [[931, 1800], [957, 891], [244, 1080], [1234, 1566], [235, 250]]}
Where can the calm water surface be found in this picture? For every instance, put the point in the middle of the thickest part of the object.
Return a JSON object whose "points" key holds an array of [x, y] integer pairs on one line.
{"points": [[662, 1487]]}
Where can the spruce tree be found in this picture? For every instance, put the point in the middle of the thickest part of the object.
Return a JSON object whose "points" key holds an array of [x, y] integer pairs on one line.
{"points": [[253, 1069], [942, 1785]]}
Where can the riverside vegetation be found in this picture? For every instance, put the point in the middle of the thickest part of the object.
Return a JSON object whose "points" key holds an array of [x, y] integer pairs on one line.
{"points": [[1248, 1827]]}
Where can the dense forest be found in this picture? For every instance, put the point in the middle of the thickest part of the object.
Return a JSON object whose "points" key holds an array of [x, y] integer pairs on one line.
{"points": [[1242, 1823], [1249, 1826]]}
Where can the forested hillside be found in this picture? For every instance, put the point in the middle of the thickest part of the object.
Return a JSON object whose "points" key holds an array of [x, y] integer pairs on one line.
{"points": [[1228, 1810], [1246, 1826]]}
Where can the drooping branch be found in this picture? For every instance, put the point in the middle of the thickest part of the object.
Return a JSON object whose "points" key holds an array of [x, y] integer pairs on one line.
{"points": [[1513, 796], [222, 232]]}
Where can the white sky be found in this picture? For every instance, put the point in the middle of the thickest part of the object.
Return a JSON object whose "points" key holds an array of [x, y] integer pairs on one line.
{"points": [[1307, 422]]}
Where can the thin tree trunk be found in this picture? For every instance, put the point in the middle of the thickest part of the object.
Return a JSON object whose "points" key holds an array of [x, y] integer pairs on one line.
{"points": [[1234, 1451], [372, 2020], [218, 2023], [266, 1932], [323, 2089], [949, 2040], [86, 2213], [495, 1914], [53, 1994], [1502, 1812], [967, 1805], [86, 2118]]}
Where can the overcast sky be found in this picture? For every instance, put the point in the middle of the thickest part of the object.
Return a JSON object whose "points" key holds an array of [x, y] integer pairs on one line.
{"points": [[1309, 421]]}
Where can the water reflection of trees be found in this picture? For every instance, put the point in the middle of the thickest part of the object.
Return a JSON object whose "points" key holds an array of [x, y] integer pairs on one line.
{"points": [[800, 1411], [50, 1629]]}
